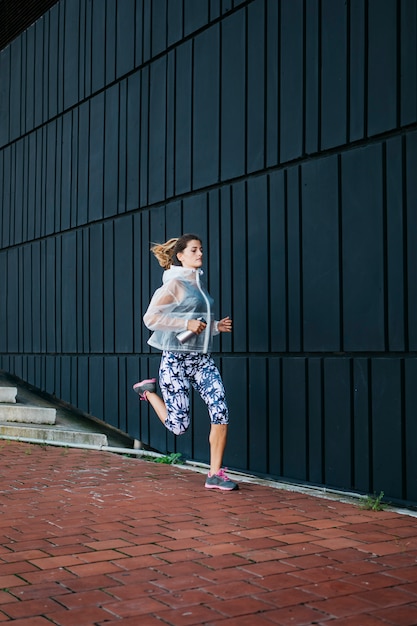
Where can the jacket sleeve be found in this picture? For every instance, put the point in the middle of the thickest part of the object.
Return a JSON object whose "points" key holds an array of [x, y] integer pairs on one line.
{"points": [[161, 314]]}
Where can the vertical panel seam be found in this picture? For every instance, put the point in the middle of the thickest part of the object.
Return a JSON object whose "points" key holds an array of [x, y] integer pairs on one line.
{"points": [[287, 312], [120, 183], [174, 125], [319, 76], [348, 70], [403, 429], [307, 418], [246, 74], [398, 65], [322, 422], [268, 277], [192, 114], [301, 257], [386, 316], [340, 246], [304, 72], [219, 143], [44, 180], [405, 240], [265, 87], [167, 124], [279, 63], [352, 423], [366, 71], [370, 425]]}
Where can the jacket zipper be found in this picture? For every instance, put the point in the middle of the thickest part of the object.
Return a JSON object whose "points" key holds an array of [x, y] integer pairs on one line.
{"points": [[208, 327]]}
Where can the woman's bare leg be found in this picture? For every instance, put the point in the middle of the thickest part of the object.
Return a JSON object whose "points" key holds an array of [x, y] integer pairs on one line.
{"points": [[157, 404], [217, 440]]}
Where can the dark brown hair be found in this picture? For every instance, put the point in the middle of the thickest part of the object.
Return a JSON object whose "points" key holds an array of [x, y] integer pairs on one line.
{"points": [[166, 253]]}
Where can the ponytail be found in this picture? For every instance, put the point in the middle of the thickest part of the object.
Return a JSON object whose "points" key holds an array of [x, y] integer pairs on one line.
{"points": [[163, 252], [166, 253]]}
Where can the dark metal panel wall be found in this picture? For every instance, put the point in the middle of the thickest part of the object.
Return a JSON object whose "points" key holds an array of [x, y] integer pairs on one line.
{"points": [[15, 17], [272, 129]]}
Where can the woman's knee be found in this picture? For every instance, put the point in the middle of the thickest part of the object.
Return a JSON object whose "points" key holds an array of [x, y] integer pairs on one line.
{"points": [[177, 427], [219, 417]]}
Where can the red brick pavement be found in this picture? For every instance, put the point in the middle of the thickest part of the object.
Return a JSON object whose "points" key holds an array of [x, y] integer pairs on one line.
{"points": [[96, 538]]}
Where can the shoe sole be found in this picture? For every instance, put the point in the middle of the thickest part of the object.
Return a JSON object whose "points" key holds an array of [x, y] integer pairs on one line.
{"points": [[143, 382], [235, 488], [142, 388]]}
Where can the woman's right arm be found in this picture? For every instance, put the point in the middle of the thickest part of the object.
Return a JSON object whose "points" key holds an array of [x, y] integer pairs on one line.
{"points": [[161, 311]]}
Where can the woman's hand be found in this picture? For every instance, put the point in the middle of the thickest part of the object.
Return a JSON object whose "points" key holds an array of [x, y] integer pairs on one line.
{"points": [[197, 326], [225, 325]]}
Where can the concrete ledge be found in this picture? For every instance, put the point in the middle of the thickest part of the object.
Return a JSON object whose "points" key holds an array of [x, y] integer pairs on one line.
{"points": [[49, 434], [27, 414], [8, 394]]}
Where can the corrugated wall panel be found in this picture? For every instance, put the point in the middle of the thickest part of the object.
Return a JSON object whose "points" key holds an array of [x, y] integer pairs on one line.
{"points": [[383, 79], [294, 423], [53, 61], [97, 280], [395, 244], [233, 103], [363, 250], [291, 76], [387, 426], [312, 76], [157, 131], [255, 88], [15, 87], [107, 180], [316, 421], [408, 22], [320, 263], [4, 96], [333, 73], [410, 429], [337, 426], [170, 125], [294, 260], [410, 212], [206, 105], [183, 118], [125, 37], [278, 283]]}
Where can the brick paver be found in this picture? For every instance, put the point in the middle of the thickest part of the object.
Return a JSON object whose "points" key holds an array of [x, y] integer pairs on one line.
{"points": [[93, 538]]}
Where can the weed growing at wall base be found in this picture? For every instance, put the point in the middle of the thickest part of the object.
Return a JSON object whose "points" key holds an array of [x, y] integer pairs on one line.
{"points": [[373, 503]]}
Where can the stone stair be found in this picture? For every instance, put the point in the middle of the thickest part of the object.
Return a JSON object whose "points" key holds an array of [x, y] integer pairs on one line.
{"points": [[13, 411], [8, 394], [24, 415]]}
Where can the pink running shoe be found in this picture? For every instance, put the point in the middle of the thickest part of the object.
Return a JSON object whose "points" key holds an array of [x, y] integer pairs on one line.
{"points": [[220, 481], [143, 386]]}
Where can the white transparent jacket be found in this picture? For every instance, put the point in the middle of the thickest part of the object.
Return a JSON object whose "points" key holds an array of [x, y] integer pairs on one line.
{"points": [[182, 297]]}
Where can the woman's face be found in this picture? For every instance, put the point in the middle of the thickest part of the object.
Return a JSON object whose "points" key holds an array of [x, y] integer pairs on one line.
{"points": [[192, 256]]}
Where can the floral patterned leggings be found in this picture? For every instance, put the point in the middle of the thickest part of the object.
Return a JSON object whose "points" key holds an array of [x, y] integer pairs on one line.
{"points": [[176, 372]]}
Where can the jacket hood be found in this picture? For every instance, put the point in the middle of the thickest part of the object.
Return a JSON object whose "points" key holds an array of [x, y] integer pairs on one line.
{"points": [[180, 272]]}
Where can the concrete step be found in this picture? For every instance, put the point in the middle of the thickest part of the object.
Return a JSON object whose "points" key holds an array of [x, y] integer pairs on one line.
{"points": [[44, 434], [64, 424], [27, 414], [8, 394]]}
